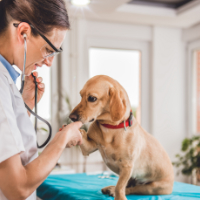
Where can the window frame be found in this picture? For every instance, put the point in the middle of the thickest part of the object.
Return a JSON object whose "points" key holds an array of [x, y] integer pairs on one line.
{"points": [[191, 49]]}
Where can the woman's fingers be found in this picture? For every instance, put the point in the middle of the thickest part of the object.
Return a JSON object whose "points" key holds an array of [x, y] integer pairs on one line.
{"points": [[77, 124], [60, 129], [41, 86], [73, 143], [69, 145], [73, 134], [39, 79], [79, 142], [35, 74]]}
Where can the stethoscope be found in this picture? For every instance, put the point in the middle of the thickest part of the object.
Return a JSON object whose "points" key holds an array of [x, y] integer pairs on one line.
{"points": [[36, 90]]}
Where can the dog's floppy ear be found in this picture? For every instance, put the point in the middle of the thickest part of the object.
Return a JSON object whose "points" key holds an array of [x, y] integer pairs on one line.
{"points": [[117, 104]]}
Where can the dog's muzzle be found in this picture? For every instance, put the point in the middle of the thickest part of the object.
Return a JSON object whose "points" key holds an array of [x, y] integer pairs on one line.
{"points": [[74, 117]]}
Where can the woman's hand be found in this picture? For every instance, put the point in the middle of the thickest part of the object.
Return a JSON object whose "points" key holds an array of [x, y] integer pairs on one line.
{"points": [[29, 90], [70, 134], [23, 180]]}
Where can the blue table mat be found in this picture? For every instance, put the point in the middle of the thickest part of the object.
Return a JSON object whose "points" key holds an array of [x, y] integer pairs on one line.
{"points": [[83, 186]]}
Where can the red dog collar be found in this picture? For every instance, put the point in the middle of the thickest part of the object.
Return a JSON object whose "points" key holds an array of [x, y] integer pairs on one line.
{"points": [[124, 124]]}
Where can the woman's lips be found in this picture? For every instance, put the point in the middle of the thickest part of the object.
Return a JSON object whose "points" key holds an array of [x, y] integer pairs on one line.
{"points": [[36, 65]]}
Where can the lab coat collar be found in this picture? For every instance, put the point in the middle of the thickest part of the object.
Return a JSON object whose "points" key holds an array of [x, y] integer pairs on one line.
{"points": [[13, 73], [4, 71]]}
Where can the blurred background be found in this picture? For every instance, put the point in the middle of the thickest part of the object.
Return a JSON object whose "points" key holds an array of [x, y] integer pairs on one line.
{"points": [[152, 47]]}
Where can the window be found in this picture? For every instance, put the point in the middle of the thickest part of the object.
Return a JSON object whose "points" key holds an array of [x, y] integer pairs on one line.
{"points": [[196, 93], [123, 66]]}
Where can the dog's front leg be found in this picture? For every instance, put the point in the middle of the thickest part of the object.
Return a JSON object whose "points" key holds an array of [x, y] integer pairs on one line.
{"points": [[88, 145], [120, 189]]}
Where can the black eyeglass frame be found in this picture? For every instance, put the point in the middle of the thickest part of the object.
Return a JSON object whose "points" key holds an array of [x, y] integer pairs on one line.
{"points": [[50, 44]]}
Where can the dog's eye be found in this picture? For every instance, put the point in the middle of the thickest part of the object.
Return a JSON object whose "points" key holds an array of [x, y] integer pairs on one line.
{"points": [[92, 99]]}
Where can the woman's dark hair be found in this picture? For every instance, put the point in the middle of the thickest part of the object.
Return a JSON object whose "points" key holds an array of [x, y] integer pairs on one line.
{"points": [[44, 15]]}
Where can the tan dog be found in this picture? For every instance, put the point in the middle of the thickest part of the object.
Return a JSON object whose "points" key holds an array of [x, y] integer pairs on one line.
{"points": [[141, 162]]}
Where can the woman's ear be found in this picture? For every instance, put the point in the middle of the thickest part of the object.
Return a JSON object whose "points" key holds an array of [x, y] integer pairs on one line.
{"points": [[23, 30], [117, 104]]}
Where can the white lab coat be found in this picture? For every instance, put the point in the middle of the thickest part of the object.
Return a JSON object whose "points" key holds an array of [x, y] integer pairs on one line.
{"points": [[17, 134]]}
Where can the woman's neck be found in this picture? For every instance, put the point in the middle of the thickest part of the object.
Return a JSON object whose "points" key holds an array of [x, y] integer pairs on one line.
{"points": [[6, 47]]}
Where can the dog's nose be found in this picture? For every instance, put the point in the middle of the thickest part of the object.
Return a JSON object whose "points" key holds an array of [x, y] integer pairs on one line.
{"points": [[74, 117]]}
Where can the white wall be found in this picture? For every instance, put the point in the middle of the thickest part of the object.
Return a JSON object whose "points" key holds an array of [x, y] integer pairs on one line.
{"points": [[165, 76], [191, 34], [168, 89]]}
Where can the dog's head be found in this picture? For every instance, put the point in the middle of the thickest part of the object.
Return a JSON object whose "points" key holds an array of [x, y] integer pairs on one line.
{"points": [[104, 99]]}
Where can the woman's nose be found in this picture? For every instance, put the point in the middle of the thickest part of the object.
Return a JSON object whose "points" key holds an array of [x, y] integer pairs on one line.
{"points": [[48, 61]]}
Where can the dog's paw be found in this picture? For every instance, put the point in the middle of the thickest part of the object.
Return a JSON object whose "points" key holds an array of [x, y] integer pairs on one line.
{"points": [[110, 190], [82, 131]]}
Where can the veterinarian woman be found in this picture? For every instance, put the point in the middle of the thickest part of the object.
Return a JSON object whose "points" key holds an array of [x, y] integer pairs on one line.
{"points": [[43, 23]]}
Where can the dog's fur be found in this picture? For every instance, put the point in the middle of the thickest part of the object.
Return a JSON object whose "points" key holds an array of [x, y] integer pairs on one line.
{"points": [[141, 162]]}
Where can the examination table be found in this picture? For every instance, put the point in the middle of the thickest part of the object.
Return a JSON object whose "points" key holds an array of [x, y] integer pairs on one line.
{"points": [[83, 186]]}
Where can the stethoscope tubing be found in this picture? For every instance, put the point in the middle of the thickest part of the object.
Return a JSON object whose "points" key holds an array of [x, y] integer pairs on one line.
{"points": [[46, 122], [36, 92]]}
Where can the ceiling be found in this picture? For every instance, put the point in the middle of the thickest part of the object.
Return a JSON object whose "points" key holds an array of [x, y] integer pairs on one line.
{"points": [[172, 13], [161, 3]]}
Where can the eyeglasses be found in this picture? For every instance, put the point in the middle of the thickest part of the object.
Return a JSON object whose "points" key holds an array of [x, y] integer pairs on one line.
{"points": [[45, 51]]}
